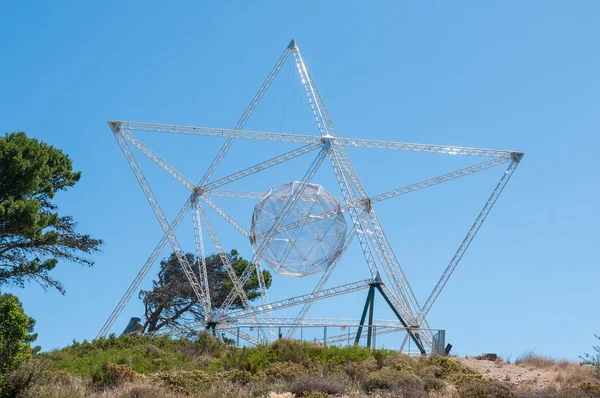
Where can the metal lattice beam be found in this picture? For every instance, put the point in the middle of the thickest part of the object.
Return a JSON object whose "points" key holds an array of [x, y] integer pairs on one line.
{"points": [[162, 219], [308, 139], [470, 235], [357, 204], [285, 209]]}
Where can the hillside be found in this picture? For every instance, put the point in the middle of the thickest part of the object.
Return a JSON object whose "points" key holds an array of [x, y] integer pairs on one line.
{"points": [[129, 367]]}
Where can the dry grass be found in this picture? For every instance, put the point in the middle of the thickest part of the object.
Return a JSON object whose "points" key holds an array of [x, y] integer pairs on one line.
{"points": [[532, 360], [137, 390], [574, 375]]}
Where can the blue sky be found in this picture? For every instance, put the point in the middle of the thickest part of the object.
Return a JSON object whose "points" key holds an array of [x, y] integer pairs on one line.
{"points": [[506, 75]]}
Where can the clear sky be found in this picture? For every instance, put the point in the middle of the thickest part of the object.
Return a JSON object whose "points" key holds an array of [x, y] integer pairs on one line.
{"points": [[507, 75]]}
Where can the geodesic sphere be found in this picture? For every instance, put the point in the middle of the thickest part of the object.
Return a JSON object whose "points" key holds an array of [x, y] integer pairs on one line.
{"points": [[312, 234]]}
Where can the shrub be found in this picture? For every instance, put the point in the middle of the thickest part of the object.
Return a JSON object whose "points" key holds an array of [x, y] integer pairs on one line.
{"points": [[209, 344], [284, 371], [593, 359], [248, 359], [144, 354], [380, 356], [400, 362], [145, 390], [304, 385], [294, 351], [486, 389], [356, 371], [54, 384], [18, 382], [591, 388], [432, 384], [444, 366], [112, 374], [391, 379], [16, 334]]}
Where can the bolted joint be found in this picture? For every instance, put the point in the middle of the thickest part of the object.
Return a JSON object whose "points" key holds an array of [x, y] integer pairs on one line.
{"points": [[115, 126], [198, 191], [367, 203], [517, 156], [377, 280], [326, 144]]}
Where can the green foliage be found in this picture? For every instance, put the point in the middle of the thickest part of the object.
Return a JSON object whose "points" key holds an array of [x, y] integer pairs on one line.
{"points": [[254, 359], [431, 383], [144, 354], [112, 374], [172, 301], [386, 378], [208, 344], [33, 237], [284, 371], [16, 334], [381, 355], [248, 359], [445, 368]]}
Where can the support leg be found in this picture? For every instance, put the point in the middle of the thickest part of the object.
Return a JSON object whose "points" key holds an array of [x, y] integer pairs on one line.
{"points": [[364, 313], [370, 330]]}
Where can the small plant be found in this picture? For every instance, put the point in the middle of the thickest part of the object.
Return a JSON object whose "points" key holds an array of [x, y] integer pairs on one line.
{"points": [[284, 371], [208, 344], [305, 385], [385, 379], [112, 375], [593, 359], [380, 356], [21, 380], [432, 384]]}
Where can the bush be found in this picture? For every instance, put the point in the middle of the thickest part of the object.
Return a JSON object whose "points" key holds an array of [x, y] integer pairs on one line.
{"points": [[305, 385], [18, 382], [356, 371], [486, 389], [144, 354], [248, 359], [593, 359], [294, 351], [400, 362], [143, 390], [591, 388], [112, 375], [209, 344], [284, 371], [386, 378], [432, 384], [380, 356], [188, 382], [16, 334]]}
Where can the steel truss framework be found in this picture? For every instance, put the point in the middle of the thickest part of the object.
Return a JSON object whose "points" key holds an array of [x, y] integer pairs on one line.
{"points": [[355, 202]]}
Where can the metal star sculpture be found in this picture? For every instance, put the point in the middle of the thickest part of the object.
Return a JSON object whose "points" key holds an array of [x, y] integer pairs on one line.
{"points": [[356, 205]]}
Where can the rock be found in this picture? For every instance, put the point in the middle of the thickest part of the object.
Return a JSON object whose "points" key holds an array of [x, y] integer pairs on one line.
{"points": [[487, 357]]}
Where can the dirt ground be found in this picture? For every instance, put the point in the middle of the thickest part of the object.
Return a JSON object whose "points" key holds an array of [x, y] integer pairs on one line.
{"points": [[520, 375]]}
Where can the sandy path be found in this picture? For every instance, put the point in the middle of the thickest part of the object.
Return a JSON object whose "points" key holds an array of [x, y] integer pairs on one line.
{"points": [[515, 374]]}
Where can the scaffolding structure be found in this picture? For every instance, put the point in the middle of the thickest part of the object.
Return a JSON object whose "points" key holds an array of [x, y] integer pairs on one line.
{"points": [[386, 275]]}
